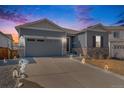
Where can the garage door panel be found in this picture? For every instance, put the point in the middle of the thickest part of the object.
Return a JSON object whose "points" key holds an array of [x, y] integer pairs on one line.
{"points": [[117, 49], [44, 48]]}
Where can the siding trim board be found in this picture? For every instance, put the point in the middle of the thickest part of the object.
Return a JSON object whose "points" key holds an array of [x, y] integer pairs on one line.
{"points": [[44, 33], [47, 29]]}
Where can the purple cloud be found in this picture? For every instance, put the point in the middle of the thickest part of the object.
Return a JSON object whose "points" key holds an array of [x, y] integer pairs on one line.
{"points": [[83, 15], [12, 15]]}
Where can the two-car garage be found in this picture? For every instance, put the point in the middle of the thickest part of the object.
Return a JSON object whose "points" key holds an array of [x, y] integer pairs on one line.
{"points": [[43, 47]]}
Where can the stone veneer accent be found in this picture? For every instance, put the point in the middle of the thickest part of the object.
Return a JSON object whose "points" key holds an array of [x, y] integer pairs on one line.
{"points": [[93, 52], [98, 52]]}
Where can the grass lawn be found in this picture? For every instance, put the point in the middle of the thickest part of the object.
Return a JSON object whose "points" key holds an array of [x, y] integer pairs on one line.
{"points": [[116, 66]]}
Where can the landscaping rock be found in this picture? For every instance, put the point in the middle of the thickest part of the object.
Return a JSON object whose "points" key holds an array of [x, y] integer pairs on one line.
{"points": [[6, 79]]}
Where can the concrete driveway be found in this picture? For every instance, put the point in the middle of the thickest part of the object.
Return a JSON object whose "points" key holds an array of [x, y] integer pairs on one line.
{"points": [[66, 73]]}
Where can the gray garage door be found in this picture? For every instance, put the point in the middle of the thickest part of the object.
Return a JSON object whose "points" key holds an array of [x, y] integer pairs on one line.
{"points": [[117, 49], [43, 48]]}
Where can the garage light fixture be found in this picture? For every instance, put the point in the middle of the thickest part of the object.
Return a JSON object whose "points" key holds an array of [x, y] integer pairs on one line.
{"points": [[63, 40]]}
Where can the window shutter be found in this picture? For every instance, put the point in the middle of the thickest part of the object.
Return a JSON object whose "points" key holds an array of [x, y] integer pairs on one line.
{"points": [[94, 41], [101, 41]]}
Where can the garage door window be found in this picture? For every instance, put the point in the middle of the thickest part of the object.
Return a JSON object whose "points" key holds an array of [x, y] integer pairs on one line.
{"points": [[31, 39], [40, 40], [118, 47]]}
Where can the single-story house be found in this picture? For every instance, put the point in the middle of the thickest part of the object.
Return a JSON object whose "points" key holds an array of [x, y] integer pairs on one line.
{"points": [[5, 45], [45, 38]]}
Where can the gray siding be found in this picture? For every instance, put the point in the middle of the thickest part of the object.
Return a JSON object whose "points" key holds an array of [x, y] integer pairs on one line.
{"points": [[90, 35], [5, 42], [41, 33], [80, 40], [93, 51], [85, 39], [111, 35], [83, 42], [79, 43]]}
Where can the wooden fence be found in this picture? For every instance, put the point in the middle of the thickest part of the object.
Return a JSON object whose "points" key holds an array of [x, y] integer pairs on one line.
{"points": [[8, 53]]}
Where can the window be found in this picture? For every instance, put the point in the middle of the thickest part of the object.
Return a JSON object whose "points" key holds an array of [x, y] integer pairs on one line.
{"points": [[116, 34], [31, 39], [98, 41], [40, 40]]}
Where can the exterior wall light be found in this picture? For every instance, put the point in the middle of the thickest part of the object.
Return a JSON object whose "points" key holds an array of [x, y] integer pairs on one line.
{"points": [[64, 40]]}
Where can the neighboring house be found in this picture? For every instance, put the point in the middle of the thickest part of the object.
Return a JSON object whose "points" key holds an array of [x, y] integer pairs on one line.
{"points": [[5, 45], [5, 40], [116, 41], [44, 38], [15, 46], [15, 52]]}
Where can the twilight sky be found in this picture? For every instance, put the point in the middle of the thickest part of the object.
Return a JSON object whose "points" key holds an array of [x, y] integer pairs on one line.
{"points": [[74, 17]]}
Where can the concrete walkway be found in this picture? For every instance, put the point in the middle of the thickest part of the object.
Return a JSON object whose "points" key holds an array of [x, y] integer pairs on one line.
{"points": [[66, 73]]}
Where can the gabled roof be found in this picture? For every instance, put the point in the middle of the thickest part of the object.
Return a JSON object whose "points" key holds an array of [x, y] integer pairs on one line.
{"points": [[98, 27], [45, 24], [115, 28], [70, 31], [41, 24], [107, 28], [10, 36], [6, 35]]}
